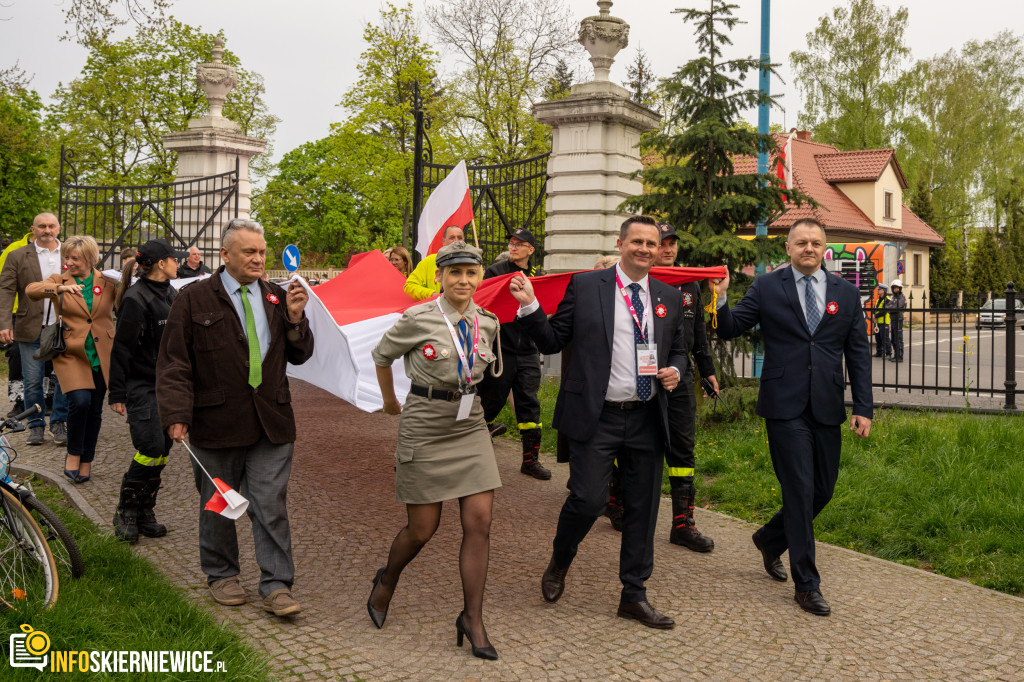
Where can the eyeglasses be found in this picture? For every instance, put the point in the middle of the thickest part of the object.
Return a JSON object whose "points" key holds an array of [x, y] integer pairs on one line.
{"points": [[516, 245]]}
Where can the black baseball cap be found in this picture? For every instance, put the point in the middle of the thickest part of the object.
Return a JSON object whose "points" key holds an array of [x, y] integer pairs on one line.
{"points": [[157, 249], [524, 235], [667, 231]]}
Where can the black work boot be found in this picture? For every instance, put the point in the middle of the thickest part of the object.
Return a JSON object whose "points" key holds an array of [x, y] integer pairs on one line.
{"points": [[531, 455], [614, 509], [148, 524], [684, 531], [126, 516]]}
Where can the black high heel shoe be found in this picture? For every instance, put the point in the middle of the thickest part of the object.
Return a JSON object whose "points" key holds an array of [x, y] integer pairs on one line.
{"points": [[485, 652], [376, 616]]}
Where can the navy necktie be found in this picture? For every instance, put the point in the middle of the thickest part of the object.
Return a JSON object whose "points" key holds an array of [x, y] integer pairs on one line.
{"points": [[464, 340], [643, 384], [811, 304]]}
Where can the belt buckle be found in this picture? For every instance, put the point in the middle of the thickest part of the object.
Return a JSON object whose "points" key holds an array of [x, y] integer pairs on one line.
{"points": [[456, 397]]}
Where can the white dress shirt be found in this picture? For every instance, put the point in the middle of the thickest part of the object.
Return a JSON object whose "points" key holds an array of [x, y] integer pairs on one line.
{"points": [[818, 287], [49, 264], [622, 380]]}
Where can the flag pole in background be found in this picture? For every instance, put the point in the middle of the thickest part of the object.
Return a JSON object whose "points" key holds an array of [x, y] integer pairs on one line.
{"points": [[476, 242]]}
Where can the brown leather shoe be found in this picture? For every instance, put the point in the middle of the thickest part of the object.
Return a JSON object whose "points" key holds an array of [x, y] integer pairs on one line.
{"points": [[281, 603], [552, 583], [772, 564], [227, 591], [812, 602], [645, 613]]}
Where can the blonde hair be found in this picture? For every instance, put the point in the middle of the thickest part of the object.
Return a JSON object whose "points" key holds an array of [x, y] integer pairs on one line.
{"points": [[441, 272], [605, 262], [86, 247]]}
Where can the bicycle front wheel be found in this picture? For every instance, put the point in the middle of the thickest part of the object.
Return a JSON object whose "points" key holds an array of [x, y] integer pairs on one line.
{"points": [[62, 543], [28, 573]]}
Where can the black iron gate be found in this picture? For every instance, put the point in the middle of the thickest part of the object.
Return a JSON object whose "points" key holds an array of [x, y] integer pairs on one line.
{"points": [[505, 196], [186, 213]]}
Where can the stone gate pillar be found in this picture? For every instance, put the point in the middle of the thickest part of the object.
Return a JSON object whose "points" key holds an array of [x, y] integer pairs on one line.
{"points": [[594, 150], [209, 147]]}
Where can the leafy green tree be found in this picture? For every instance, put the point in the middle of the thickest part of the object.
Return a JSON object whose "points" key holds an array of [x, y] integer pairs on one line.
{"points": [[695, 186], [851, 76], [91, 21], [26, 188], [505, 50], [132, 92], [989, 264], [380, 105]]}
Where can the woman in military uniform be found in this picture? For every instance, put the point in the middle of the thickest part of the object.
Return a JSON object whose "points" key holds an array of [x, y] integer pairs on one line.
{"points": [[444, 450]]}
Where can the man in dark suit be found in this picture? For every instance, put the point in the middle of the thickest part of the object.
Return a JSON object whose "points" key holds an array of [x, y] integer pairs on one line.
{"points": [[221, 381], [628, 354], [810, 320]]}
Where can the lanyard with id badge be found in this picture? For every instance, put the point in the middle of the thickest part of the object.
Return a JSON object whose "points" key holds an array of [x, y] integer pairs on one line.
{"points": [[468, 392], [646, 353]]}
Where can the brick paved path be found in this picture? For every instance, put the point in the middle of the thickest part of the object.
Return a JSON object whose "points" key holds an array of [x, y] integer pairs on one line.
{"points": [[733, 622]]}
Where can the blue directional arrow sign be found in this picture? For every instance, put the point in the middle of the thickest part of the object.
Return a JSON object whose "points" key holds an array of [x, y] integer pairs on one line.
{"points": [[291, 258]]}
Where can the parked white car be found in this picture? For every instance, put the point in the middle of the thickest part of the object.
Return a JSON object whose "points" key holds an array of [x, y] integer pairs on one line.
{"points": [[993, 313]]}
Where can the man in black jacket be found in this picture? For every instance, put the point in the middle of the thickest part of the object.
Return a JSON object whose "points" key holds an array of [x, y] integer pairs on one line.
{"points": [[521, 364]]}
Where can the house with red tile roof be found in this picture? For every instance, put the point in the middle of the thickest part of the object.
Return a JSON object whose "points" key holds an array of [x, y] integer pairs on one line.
{"points": [[860, 200]]}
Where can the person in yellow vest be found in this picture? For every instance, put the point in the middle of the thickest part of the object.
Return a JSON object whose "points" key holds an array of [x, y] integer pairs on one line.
{"points": [[422, 282], [15, 385], [883, 345]]}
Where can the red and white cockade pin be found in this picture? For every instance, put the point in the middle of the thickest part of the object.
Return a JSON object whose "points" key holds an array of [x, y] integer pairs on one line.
{"points": [[832, 308], [660, 310], [96, 290], [428, 352], [273, 299], [687, 298], [64, 266]]}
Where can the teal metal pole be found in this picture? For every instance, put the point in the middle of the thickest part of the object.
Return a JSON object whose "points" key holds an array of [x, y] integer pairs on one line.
{"points": [[764, 84]]}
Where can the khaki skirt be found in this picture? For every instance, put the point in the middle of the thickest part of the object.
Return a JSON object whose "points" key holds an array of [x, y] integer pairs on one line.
{"points": [[439, 458]]}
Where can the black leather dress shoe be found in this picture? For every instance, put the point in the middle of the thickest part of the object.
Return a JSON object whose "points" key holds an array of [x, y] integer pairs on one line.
{"points": [[772, 564], [813, 602], [645, 613], [552, 583]]}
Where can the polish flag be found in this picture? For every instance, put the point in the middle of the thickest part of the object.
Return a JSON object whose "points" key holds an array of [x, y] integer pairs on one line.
{"points": [[226, 501], [784, 167], [448, 204], [349, 314]]}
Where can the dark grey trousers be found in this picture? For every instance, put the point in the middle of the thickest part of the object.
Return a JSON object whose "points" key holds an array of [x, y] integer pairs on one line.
{"points": [[260, 474]]}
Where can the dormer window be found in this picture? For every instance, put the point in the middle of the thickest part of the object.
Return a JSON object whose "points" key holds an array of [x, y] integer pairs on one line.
{"points": [[887, 206]]}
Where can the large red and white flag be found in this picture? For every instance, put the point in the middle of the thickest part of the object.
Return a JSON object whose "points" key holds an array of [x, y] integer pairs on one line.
{"points": [[448, 204], [784, 167], [349, 314]]}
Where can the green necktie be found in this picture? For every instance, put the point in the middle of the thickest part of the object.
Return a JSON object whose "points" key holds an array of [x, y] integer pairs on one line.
{"points": [[255, 360]]}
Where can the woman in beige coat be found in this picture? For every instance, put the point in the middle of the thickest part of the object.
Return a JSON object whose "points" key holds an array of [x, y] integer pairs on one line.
{"points": [[87, 309]]}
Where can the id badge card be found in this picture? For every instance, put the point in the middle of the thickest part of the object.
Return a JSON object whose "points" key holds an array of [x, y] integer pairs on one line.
{"points": [[647, 360], [465, 405]]}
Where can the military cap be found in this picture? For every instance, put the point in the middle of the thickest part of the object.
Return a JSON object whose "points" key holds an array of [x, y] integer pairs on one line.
{"points": [[459, 252]]}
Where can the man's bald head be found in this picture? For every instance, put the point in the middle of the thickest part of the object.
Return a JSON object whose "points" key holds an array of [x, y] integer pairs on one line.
{"points": [[45, 229]]}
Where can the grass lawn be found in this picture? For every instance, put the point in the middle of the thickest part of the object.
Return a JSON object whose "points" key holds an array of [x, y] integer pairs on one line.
{"points": [[936, 490], [123, 603]]}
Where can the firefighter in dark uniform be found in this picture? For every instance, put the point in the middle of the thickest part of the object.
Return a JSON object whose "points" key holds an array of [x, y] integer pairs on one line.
{"points": [[682, 413], [521, 361]]}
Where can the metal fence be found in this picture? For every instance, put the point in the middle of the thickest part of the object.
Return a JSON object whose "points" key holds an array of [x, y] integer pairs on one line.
{"points": [[949, 350]]}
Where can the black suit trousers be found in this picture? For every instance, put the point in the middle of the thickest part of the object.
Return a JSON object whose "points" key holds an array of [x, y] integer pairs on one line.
{"points": [[805, 454], [633, 438]]}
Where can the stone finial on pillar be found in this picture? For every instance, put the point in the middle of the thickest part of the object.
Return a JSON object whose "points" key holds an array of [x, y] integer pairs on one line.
{"points": [[603, 36], [216, 79]]}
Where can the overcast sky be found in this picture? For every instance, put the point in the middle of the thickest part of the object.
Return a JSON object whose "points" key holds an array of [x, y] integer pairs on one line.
{"points": [[307, 50]]}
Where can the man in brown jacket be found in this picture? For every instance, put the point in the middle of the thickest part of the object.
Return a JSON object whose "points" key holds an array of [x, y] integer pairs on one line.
{"points": [[221, 381], [33, 262]]}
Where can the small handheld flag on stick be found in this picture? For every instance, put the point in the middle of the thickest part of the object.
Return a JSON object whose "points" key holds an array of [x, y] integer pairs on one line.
{"points": [[225, 501]]}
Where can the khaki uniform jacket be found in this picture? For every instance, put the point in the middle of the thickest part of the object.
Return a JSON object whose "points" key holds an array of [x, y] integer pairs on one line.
{"points": [[202, 371], [73, 369], [20, 270]]}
